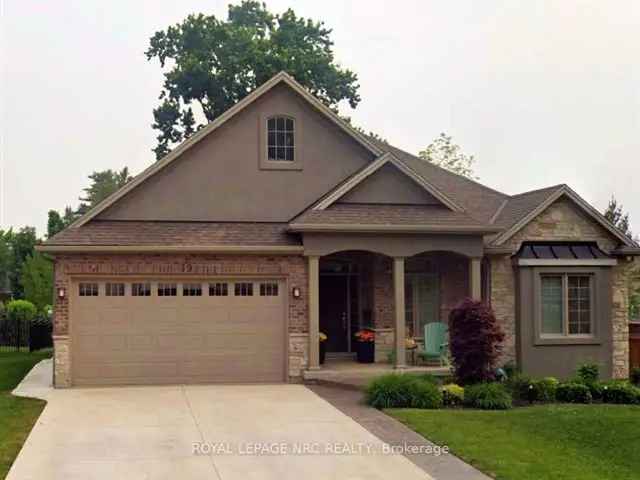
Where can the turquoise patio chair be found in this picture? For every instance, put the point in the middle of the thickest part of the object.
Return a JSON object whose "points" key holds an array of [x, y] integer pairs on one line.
{"points": [[436, 343]]}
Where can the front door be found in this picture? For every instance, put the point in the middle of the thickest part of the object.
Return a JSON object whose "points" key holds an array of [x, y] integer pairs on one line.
{"points": [[334, 315]]}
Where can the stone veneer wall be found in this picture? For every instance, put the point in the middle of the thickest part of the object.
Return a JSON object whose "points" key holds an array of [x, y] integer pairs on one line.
{"points": [[294, 268], [562, 221]]}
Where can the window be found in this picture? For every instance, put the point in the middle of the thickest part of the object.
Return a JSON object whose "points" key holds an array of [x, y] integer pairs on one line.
{"points": [[141, 289], [566, 305], [268, 289], [579, 305], [218, 290], [167, 290], [114, 289], [280, 139], [422, 302], [244, 289], [191, 290], [88, 289]]}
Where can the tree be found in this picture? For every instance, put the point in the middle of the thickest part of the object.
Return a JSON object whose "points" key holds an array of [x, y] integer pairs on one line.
{"points": [[56, 222], [22, 245], [475, 341], [5, 260], [37, 280], [446, 154], [215, 63], [103, 184], [616, 215]]}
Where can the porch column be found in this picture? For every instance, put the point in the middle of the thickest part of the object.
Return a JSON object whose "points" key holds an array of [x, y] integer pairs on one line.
{"points": [[475, 278], [400, 327], [314, 313]]}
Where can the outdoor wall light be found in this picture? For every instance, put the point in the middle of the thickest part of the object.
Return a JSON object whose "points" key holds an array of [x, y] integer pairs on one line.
{"points": [[61, 293], [295, 292]]}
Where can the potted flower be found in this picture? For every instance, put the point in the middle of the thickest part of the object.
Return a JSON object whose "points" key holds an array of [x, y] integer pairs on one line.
{"points": [[323, 348], [365, 345]]}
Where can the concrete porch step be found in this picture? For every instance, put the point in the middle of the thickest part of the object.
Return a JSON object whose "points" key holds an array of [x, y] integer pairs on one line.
{"points": [[356, 376]]}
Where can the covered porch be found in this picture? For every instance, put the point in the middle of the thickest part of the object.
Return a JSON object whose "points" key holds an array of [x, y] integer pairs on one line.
{"points": [[394, 285]]}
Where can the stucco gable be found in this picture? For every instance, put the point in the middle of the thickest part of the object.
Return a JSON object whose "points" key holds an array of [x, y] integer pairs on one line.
{"points": [[281, 78], [221, 178], [389, 185]]}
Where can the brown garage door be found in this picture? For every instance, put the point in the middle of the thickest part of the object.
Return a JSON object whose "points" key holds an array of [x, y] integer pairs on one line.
{"points": [[147, 331]]}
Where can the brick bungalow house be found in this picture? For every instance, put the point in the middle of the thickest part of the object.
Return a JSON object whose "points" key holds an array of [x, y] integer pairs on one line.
{"points": [[223, 261]]}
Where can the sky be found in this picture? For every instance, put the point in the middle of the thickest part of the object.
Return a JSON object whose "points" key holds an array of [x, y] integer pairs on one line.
{"points": [[541, 93]]}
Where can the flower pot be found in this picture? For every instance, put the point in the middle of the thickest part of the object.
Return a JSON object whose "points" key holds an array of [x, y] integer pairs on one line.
{"points": [[323, 351], [365, 352]]}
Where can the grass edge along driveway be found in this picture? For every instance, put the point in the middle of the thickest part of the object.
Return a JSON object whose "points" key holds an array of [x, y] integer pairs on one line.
{"points": [[542, 442], [17, 415]]}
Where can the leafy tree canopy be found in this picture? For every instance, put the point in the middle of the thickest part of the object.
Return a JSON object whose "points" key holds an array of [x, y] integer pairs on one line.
{"points": [[15, 247], [617, 216], [448, 155], [212, 64], [37, 280], [102, 185]]}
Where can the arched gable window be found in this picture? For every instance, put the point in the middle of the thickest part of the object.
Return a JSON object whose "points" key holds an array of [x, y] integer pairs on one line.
{"points": [[281, 138]]}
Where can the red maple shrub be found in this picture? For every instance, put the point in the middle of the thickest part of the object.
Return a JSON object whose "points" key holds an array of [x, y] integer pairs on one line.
{"points": [[475, 341]]}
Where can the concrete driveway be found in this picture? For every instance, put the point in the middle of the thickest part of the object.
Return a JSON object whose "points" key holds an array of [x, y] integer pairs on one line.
{"points": [[202, 432]]}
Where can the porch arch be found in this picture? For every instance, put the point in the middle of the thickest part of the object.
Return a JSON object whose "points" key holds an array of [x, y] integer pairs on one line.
{"points": [[395, 266], [392, 245]]}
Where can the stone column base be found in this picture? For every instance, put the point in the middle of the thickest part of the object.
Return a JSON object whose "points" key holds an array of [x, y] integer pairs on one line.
{"points": [[298, 355], [61, 361], [384, 344]]}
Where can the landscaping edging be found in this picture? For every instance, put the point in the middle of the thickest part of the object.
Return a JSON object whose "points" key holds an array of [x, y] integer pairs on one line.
{"points": [[445, 466]]}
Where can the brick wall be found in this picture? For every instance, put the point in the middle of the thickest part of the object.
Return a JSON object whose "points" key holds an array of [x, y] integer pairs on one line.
{"points": [[294, 268]]}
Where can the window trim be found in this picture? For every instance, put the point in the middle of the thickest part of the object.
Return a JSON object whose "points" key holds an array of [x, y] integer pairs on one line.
{"points": [[565, 338], [265, 163]]}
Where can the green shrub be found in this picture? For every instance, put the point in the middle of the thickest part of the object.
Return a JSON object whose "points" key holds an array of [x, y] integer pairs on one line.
{"points": [[573, 392], [487, 396], [526, 389], [425, 395], [21, 310], [545, 389], [620, 392], [452, 395], [634, 376], [427, 377], [402, 391], [588, 373]]}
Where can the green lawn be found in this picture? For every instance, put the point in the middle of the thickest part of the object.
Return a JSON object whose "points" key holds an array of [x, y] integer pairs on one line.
{"points": [[17, 415], [541, 442]]}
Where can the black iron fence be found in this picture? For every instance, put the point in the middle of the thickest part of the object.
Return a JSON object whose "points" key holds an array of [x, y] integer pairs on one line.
{"points": [[16, 335]]}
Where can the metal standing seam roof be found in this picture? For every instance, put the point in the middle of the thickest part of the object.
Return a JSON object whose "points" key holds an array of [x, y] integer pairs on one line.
{"points": [[560, 251]]}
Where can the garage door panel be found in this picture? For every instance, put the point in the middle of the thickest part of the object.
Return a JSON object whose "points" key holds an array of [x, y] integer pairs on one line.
{"points": [[178, 339]]}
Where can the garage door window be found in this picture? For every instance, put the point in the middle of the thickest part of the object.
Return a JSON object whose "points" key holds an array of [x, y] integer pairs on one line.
{"points": [[218, 290], [191, 290], [88, 289], [141, 289], [167, 289], [244, 289], [114, 289], [268, 289]]}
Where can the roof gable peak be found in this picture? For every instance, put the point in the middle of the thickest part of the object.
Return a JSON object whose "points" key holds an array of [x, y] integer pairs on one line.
{"points": [[279, 78], [385, 159]]}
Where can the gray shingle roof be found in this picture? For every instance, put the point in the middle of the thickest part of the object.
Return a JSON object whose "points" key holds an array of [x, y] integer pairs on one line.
{"points": [[110, 233], [374, 214]]}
